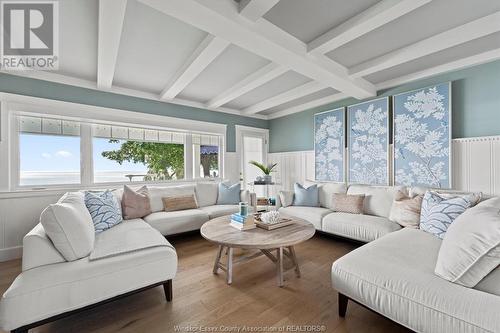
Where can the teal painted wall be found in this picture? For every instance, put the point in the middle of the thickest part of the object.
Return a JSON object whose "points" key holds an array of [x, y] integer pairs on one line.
{"points": [[44, 89], [475, 108]]}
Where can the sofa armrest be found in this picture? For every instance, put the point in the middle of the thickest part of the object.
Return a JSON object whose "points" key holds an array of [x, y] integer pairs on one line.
{"points": [[38, 249]]}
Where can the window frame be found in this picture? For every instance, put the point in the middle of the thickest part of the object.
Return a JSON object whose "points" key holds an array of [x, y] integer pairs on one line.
{"points": [[10, 178]]}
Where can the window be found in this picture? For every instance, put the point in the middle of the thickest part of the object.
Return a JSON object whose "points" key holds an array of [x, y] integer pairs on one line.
{"points": [[127, 160], [61, 152], [137, 154], [49, 152], [49, 160], [206, 156]]}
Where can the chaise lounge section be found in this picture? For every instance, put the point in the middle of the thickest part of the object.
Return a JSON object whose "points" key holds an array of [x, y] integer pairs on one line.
{"points": [[394, 276]]}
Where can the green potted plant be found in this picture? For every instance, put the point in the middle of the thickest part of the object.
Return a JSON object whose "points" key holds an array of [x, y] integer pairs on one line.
{"points": [[266, 170]]}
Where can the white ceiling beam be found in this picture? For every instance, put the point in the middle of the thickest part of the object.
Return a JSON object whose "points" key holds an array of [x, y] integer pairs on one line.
{"points": [[111, 16], [221, 18], [455, 65], [477, 59], [453, 37], [374, 17], [51, 76], [255, 9], [287, 96], [309, 105], [254, 80], [209, 49]]}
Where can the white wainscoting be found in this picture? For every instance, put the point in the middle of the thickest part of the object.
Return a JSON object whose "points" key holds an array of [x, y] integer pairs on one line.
{"points": [[475, 166]]}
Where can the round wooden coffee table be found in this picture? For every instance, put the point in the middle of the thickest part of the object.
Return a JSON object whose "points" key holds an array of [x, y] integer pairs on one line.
{"points": [[282, 240]]}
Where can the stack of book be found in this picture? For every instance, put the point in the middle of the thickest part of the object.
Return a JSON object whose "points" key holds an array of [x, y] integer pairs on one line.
{"points": [[242, 222]]}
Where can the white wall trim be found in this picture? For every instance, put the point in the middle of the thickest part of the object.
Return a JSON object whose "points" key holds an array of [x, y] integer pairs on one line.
{"points": [[11, 253]]}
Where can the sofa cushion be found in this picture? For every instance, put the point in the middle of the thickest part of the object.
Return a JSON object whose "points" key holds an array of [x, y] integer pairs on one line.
{"points": [[38, 250], [132, 235], [326, 192], [310, 214], [69, 226], [491, 283], [471, 246], [378, 200], [135, 204], [305, 196], [229, 194], [438, 212], [286, 198], [179, 202], [405, 210], [394, 275], [169, 223], [220, 210], [49, 290], [352, 203], [420, 190], [156, 193], [104, 208], [364, 228], [206, 194]]}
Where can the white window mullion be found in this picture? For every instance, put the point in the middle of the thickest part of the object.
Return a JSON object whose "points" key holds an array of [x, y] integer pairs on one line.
{"points": [[86, 160], [188, 157]]}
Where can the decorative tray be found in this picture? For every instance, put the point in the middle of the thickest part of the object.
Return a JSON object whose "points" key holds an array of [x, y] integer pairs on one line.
{"points": [[268, 226]]}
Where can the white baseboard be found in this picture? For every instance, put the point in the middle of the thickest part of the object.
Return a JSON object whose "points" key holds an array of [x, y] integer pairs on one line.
{"points": [[11, 253]]}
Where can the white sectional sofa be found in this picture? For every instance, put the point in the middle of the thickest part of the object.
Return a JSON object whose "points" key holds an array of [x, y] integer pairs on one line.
{"points": [[171, 223], [365, 228], [394, 276], [50, 287]]}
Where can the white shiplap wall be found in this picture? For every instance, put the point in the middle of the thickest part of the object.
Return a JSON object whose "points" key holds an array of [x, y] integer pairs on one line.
{"points": [[475, 166]]}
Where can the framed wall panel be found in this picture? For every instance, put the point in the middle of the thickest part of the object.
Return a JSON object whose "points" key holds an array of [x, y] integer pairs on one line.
{"points": [[368, 136], [422, 137], [329, 145]]}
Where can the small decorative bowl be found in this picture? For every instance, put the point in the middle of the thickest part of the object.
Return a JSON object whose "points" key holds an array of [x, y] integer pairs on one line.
{"points": [[272, 217]]}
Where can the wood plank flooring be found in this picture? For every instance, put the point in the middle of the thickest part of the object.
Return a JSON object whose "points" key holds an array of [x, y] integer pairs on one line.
{"points": [[254, 300]]}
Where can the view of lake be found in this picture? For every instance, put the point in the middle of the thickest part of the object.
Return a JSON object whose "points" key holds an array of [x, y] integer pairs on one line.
{"points": [[41, 178]]}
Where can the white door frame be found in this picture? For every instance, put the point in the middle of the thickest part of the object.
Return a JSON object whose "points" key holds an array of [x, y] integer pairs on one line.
{"points": [[250, 131]]}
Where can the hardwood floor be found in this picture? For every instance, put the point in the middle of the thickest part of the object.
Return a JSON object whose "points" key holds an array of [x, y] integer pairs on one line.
{"points": [[201, 298]]}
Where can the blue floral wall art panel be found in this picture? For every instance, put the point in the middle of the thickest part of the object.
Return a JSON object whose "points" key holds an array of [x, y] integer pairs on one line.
{"points": [[422, 137], [329, 145], [368, 135]]}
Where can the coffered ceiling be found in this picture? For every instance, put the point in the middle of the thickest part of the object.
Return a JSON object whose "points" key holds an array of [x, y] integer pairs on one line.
{"points": [[268, 58]]}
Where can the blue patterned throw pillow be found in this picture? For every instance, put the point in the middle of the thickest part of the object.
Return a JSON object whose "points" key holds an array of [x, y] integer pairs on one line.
{"points": [[439, 212], [104, 209], [305, 196]]}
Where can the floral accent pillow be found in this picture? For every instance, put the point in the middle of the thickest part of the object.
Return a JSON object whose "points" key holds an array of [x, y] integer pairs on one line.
{"points": [[104, 210], [438, 212]]}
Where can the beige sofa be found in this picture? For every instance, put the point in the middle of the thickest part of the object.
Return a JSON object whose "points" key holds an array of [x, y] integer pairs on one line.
{"points": [[50, 287], [374, 223]]}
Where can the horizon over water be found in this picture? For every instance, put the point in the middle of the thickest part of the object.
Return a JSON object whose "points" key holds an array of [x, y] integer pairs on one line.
{"points": [[41, 178]]}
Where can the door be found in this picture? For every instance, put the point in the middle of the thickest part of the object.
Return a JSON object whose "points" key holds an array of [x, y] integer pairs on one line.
{"points": [[253, 147]]}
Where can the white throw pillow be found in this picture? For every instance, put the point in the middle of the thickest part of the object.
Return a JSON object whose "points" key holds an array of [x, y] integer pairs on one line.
{"points": [[286, 198], [69, 226], [156, 193], [206, 194], [471, 246]]}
